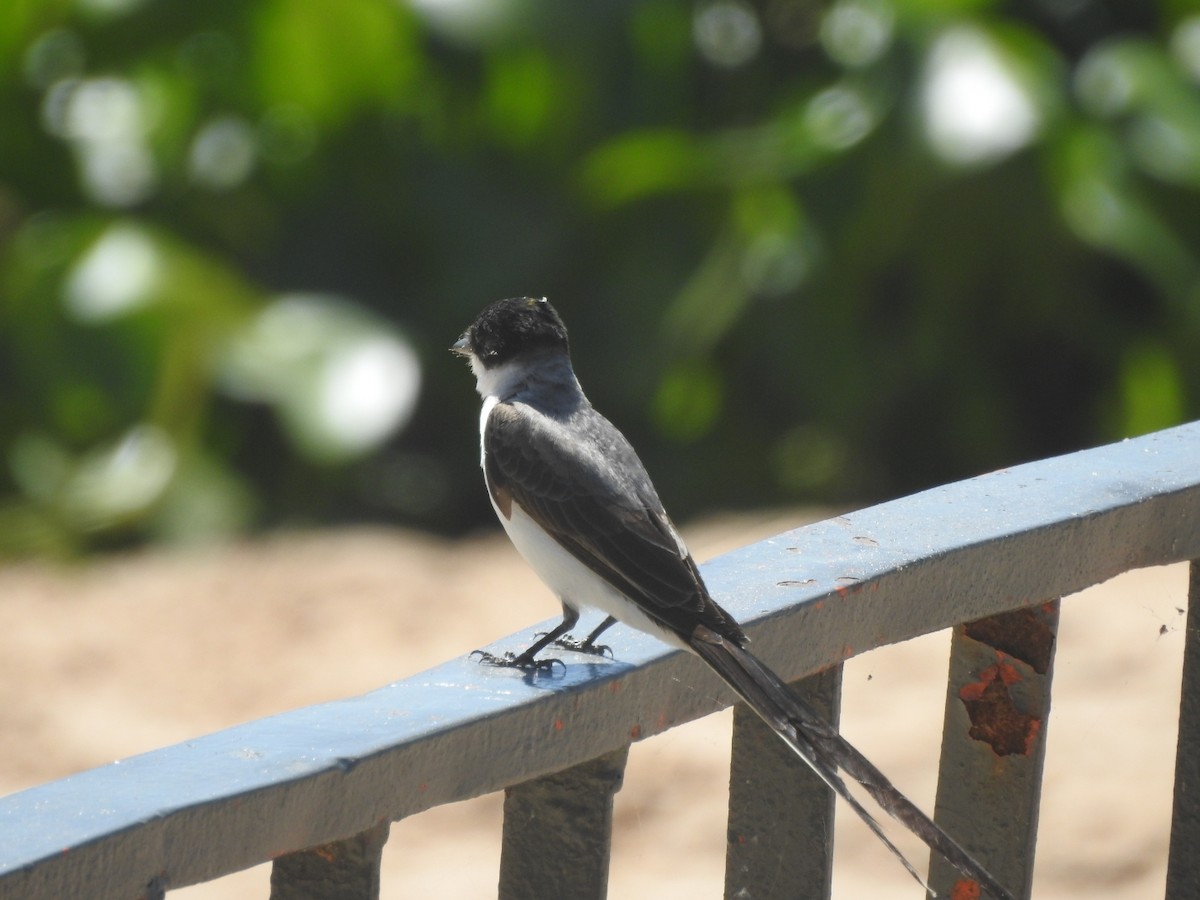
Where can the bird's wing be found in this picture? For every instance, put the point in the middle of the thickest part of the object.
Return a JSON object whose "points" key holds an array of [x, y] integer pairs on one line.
{"points": [[591, 494]]}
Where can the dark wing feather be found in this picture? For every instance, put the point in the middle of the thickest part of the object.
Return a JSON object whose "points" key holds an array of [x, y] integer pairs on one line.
{"points": [[592, 494]]}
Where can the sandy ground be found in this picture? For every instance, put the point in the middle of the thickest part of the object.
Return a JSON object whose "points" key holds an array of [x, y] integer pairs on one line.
{"points": [[123, 655]]}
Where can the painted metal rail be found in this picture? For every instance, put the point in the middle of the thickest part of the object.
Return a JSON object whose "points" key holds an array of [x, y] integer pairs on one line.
{"points": [[315, 789]]}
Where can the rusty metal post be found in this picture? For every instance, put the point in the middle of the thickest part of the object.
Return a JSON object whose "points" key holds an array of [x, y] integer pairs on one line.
{"points": [[994, 745], [341, 870], [558, 832], [780, 833], [1183, 865]]}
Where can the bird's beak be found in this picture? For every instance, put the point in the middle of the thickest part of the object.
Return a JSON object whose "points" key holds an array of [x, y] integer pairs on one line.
{"points": [[461, 347]]}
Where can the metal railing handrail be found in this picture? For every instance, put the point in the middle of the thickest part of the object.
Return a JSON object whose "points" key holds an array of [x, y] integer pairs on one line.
{"points": [[809, 599]]}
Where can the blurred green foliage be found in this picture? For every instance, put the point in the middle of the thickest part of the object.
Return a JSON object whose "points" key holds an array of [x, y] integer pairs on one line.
{"points": [[808, 251]]}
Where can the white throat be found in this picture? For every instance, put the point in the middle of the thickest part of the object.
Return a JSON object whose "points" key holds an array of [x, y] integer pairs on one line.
{"points": [[498, 381], [542, 381]]}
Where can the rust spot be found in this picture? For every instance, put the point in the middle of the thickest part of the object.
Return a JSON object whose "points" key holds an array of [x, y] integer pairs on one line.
{"points": [[1025, 634], [558, 725], [995, 719], [847, 585], [965, 889], [326, 853]]}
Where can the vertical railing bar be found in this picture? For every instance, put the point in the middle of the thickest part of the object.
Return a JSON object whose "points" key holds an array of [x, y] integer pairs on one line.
{"points": [[341, 870], [1183, 863], [994, 745], [557, 837], [780, 831]]}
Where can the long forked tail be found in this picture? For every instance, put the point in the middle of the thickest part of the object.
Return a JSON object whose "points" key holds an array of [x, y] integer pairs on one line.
{"points": [[827, 752]]}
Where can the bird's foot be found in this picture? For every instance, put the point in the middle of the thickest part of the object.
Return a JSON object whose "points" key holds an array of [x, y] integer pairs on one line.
{"points": [[524, 662], [586, 646]]}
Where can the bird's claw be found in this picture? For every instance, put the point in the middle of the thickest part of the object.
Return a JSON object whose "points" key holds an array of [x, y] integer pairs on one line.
{"points": [[510, 660], [569, 643]]}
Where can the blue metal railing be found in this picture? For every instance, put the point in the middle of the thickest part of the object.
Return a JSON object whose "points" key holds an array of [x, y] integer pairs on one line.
{"points": [[315, 789]]}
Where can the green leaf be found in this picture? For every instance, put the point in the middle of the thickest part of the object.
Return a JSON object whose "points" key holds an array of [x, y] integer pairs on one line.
{"points": [[334, 57], [641, 164], [689, 400], [1152, 394]]}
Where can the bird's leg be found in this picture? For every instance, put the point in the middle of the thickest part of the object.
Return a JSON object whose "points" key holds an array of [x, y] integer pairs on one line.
{"points": [[588, 644], [527, 660]]}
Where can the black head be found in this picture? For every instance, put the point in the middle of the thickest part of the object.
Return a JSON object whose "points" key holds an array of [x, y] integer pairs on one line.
{"points": [[511, 328]]}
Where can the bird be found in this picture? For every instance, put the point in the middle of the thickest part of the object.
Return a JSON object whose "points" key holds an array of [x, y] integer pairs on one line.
{"points": [[579, 506]]}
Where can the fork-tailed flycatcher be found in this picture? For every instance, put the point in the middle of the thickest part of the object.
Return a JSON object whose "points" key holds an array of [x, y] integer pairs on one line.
{"points": [[578, 504]]}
